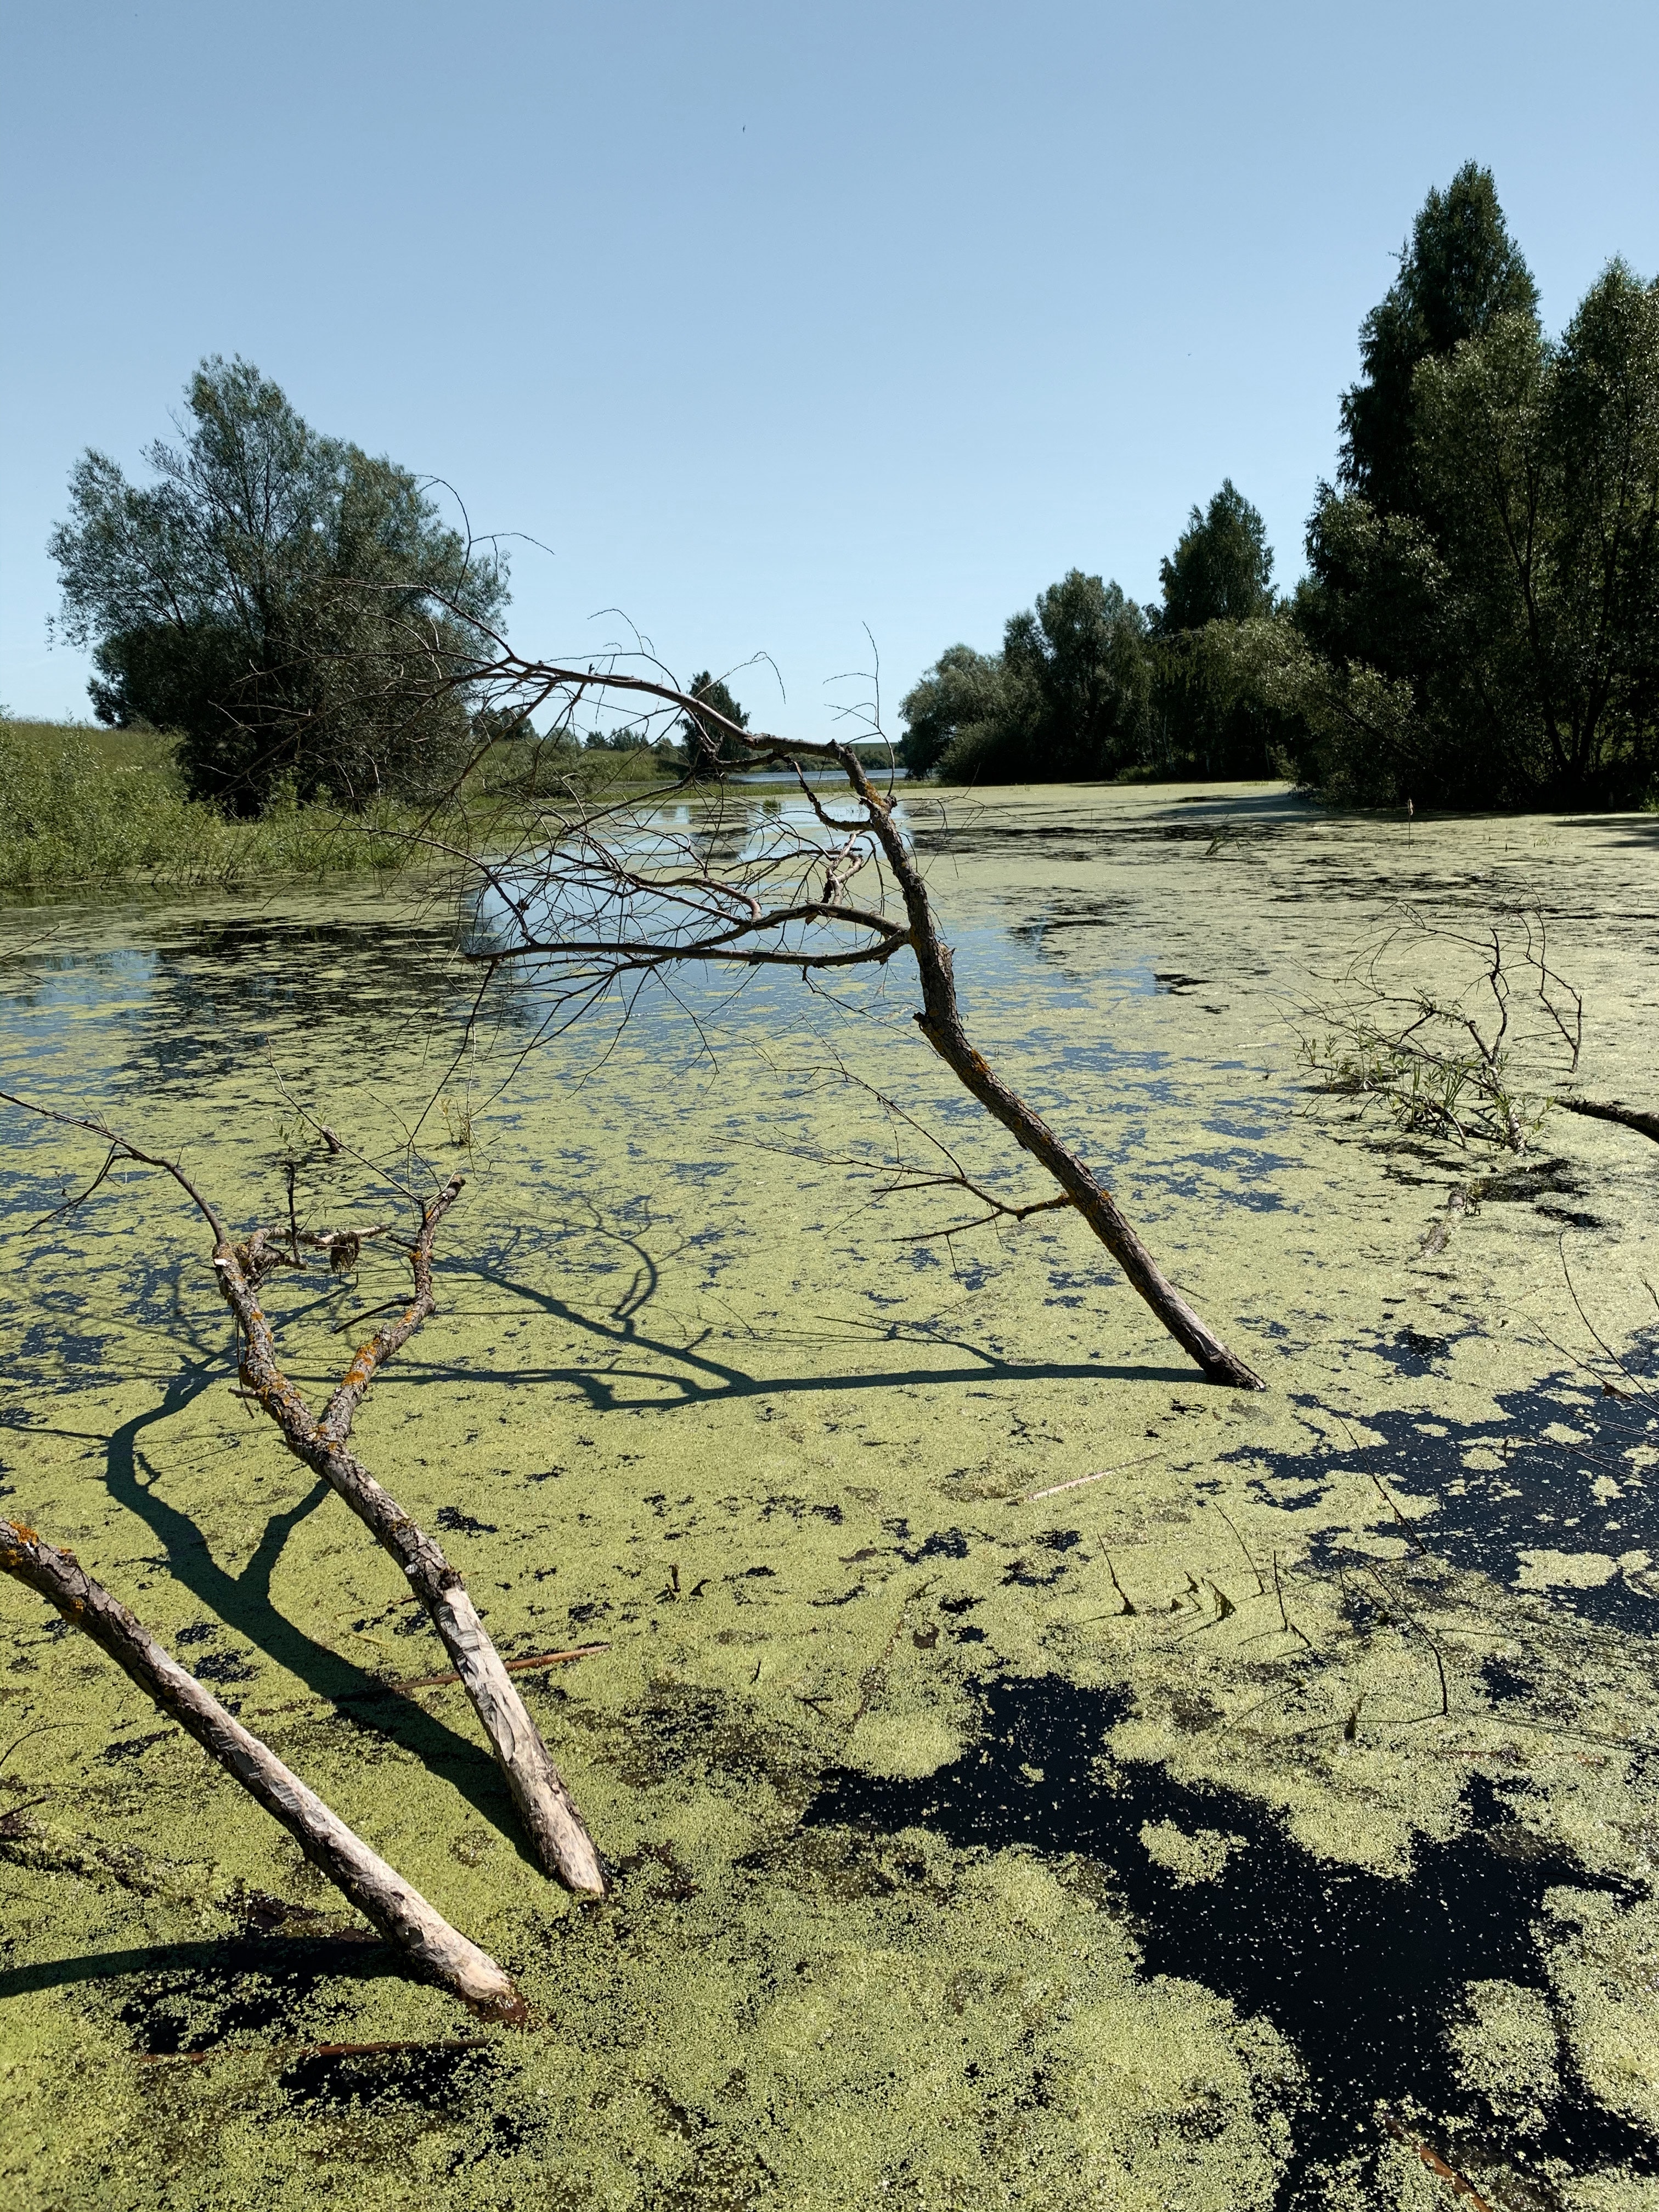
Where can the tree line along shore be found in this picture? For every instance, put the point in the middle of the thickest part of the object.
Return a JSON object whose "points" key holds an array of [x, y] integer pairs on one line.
{"points": [[289, 640]]}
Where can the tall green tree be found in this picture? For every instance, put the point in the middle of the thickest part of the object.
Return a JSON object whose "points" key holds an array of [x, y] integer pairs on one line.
{"points": [[1501, 644], [1460, 271], [1221, 568], [958, 711], [1539, 465], [294, 607], [1080, 654], [710, 748], [1069, 695]]}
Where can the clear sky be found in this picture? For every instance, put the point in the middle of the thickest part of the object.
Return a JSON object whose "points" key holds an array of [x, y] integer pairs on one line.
{"points": [[771, 322]]}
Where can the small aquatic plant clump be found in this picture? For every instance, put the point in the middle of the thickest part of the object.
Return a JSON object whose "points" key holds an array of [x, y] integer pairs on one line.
{"points": [[1450, 1061]]}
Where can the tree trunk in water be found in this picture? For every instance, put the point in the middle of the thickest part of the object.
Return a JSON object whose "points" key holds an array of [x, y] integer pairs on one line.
{"points": [[562, 1844], [940, 1022], [435, 1951], [1611, 1110]]}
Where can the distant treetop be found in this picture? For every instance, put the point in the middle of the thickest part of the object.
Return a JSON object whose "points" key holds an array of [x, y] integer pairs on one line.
{"points": [[709, 747], [1459, 271], [1222, 566]]}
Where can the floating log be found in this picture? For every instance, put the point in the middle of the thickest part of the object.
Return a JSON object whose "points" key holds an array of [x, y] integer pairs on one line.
{"points": [[1611, 1110], [435, 1951]]}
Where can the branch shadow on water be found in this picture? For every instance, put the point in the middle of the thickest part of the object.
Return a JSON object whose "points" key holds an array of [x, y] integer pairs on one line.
{"points": [[244, 1603], [654, 1365], [296, 1965]]}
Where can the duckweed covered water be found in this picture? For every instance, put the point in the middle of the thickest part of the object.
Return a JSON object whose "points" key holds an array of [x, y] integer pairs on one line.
{"points": [[1235, 1830]]}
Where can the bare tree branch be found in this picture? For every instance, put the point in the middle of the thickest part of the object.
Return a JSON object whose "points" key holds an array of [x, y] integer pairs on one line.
{"points": [[562, 1843], [433, 1951], [590, 895]]}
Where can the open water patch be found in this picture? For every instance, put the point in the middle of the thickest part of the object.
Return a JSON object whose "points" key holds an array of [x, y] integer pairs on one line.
{"points": [[1362, 1974], [1559, 1493]]}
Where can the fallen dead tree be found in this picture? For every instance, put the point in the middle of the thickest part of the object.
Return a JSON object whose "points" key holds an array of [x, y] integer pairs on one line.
{"points": [[432, 1949], [1613, 1110], [595, 897], [562, 1842]]}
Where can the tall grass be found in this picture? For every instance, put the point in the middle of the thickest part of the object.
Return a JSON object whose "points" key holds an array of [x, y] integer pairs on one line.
{"points": [[81, 807], [85, 808]]}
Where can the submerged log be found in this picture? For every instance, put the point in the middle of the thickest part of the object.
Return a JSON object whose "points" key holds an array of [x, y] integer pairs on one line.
{"points": [[435, 1951], [1613, 1110], [562, 1843]]}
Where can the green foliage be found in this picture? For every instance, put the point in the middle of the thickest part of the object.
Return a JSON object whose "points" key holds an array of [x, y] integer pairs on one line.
{"points": [[1460, 271], [1454, 1094], [1222, 566], [1220, 708], [1503, 638], [710, 747], [72, 814], [294, 607], [958, 710], [1087, 684], [1069, 695]]}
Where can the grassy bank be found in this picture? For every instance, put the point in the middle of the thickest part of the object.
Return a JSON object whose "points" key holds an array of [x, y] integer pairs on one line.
{"points": [[81, 806]]}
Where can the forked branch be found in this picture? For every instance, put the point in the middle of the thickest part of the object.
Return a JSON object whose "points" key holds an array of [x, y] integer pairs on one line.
{"points": [[561, 1842]]}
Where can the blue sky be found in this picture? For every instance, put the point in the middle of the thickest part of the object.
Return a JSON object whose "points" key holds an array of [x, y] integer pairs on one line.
{"points": [[771, 322]]}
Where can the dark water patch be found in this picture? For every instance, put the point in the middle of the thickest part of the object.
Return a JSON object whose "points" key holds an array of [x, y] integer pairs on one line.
{"points": [[1243, 1167], [1505, 1684], [452, 1519], [1360, 1973], [682, 1733], [1506, 1487], [943, 1544], [1415, 1350], [443, 2079], [1524, 1185]]}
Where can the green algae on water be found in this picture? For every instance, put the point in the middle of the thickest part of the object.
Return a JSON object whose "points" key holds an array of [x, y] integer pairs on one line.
{"points": [[690, 1395]]}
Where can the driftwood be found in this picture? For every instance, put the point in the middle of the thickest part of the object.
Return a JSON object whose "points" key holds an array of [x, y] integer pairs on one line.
{"points": [[1611, 1110], [940, 1022], [562, 1844], [435, 1951]]}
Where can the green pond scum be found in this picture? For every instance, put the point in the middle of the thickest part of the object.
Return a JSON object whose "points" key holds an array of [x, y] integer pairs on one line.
{"points": [[1028, 1775]]}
